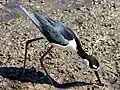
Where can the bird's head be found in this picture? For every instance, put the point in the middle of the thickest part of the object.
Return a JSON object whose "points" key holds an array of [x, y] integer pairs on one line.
{"points": [[92, 62]]}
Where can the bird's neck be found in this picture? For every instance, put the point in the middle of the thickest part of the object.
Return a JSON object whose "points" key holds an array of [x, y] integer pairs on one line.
{"points": [[80, 51]]}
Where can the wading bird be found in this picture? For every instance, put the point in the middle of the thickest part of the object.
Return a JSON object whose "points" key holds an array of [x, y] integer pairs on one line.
{"points": [[58, 35]]}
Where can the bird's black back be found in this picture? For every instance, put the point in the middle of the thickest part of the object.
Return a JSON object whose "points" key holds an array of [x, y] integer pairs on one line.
{"points": [[55, 31]]}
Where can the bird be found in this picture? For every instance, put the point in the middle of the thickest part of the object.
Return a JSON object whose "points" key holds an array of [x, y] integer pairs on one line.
{"points": [[60, 35]]}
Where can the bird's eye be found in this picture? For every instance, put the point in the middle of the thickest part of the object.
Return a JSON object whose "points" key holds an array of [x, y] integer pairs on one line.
{"points": [[94, 66], [87, 62]]}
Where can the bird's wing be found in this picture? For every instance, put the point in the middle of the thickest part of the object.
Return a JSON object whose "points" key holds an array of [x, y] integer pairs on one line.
{"points": [[66, 32], [30, 15], [54, 36], [47, 28]]}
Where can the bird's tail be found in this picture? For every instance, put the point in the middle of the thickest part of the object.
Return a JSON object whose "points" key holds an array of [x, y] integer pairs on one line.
{"points": [[34, 17]]}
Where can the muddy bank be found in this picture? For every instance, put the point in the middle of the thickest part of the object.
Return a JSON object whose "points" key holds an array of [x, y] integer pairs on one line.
{"points": [[97, 25]]}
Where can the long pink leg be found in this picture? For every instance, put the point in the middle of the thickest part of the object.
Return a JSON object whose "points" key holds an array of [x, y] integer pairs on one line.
{"points": [[26, 45], [42, 65]]}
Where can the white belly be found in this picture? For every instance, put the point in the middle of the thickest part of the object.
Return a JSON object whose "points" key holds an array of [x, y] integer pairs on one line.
{"points": [[71, 46]]}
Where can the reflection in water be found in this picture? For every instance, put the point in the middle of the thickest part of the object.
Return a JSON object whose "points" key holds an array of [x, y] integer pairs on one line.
{"points": [[11, 11], [12, 5], [7, 17]]}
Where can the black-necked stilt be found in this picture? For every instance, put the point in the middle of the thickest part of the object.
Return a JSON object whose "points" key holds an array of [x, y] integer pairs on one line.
{"points": [[58, 34]]}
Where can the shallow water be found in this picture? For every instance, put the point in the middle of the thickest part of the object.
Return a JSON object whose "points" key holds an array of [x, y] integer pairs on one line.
{"points": [[11, 11]]}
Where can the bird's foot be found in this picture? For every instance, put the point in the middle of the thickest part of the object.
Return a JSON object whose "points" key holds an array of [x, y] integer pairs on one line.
{"points": [[99, 83]]}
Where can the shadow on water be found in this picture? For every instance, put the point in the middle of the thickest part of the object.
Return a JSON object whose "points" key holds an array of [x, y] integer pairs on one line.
{"points": [[14, 73]]}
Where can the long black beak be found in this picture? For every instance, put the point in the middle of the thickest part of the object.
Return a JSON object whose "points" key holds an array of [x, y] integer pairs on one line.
{"points": [[96, 73]]}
